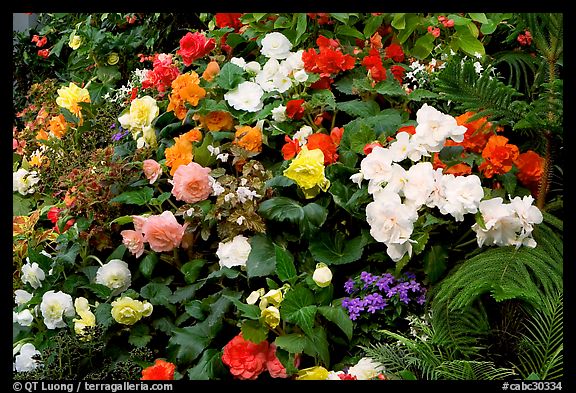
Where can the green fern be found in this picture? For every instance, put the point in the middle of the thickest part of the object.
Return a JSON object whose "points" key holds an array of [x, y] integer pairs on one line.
{"points": [[525, 70], [472, 370], [541, 346]]}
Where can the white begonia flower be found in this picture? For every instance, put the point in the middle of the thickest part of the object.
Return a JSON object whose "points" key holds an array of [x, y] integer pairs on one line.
{"points": [[302, 134], [402, 147], [396, 251], [500, 221], [87, 317], [279, 113], [322, 275], [434, 127], [377, 168], [437, 197], [300, 76], [398, 179], [275, 45], [294, 60], [527, 215], [239, 61], [247, 96], [234, 252], [281, 83], [253, 67], [32, 274], [265, 77], [22, 297], [115, 275], [390, 221], [357, 178], [255, 296], [24, 181], [24, 360], [23, 318], [463, 195], [54, 306], [366, 369], [419, 184]]}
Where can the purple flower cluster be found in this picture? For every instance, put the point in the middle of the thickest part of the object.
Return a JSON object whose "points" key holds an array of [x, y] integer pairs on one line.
{"points": [[370, 293], [120, 134]]}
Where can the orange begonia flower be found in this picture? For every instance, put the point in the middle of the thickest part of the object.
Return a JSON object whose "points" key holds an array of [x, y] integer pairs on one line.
{"points": [[185, 90], [181, 153], [212, 69], [530, 169], [249, 138], [499, 156], [477, 134], [161, 370], [58, 126], [216, 121]]}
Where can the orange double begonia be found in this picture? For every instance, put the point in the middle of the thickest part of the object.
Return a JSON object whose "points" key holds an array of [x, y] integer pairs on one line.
{"points": [[216, 121], [181, 153], [58, 126], [499, 156], [185, 90], [249, 138], [530, 169]]}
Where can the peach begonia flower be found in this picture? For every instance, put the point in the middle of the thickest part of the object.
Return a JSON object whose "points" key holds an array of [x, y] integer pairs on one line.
{"points": [[185, 90], [152, 170], [216, 121], [134, 242], [58, 126], [191, 183], [163, 232], [212, 69]]}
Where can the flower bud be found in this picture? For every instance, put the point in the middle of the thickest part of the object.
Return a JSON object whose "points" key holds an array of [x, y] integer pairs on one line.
{"points": [[322, 275]]}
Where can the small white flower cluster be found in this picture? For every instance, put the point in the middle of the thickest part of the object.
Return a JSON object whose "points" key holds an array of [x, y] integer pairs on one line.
{"points": [[273, 76], [399, 193]]}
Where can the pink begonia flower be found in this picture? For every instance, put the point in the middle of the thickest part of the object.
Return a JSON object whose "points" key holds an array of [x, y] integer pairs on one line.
{"points": [[275, 368], [152, 170], [191, 183], [163, 232], [134, 242], [138, 222]]}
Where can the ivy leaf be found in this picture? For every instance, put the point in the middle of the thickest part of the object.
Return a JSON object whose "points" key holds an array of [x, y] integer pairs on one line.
{"points": [[209, 366], [338, 316], [262, 258], [138, 197], [297, 307], [336, 249]]}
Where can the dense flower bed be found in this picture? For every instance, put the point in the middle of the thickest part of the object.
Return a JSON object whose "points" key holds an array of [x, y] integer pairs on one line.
{"points": [[250, 196]]}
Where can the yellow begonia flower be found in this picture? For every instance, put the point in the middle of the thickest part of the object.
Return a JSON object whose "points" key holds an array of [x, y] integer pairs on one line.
{"points": [[113, 58], [274, 297], [69, 98], [138, 118], [312, 373], [271, 316], [75, 42], [254, 296], [307, 170], [128, 311], [87, 318]]}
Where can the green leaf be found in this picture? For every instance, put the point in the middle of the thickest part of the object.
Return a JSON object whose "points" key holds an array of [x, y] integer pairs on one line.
{"points": [[489, 27], [139, 335], [372, 24], [208, 367], [340, 16], [317, 345], [281, 209], [359, 136], [422, 94], [21, 206], [359, 108], [183, 293], [314, 217], [138, 197], [423, 46], [187, 343], [156, 293], [285, 269], [195, 309], [250, 311], [230, 76], [147, 264], [293, 342], [468, 43], [280, 181], [338, 316], [410, 23], [399, 21], [333, 248], [191, 270], [348, 31], [282, 22], [390, 86], [301, 24], [478, 17], [103, 314], [108, 75], [102, 291], [435, 263], [321, 99], [118, 253], [262, 258], [407, 375], [202, 155], [451, 155], [234, 39], [254, 331], [297, 307]]}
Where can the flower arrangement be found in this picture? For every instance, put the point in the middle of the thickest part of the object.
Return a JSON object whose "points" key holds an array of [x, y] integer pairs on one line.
{"points": [[280, 196]]}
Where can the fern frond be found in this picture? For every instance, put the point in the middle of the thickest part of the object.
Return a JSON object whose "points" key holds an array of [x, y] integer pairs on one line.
{"points": [[545, 113], [395, 358], [528, 274], [523, 69], [485, 94], [541, 347], [472, 370]]}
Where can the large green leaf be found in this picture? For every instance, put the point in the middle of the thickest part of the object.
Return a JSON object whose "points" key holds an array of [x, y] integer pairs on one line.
{"points": [[209, 366], [147, 264], [250, 311], [285, 269], [359, 108], [138, 197], [254, 331], [297, 307], [317, 345], [423, 46], [262, 258], [309, 218], [293, 342], [230, 76], [156, 293], [338, 316], [333, 248], [191, 270], [187, 343]]}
